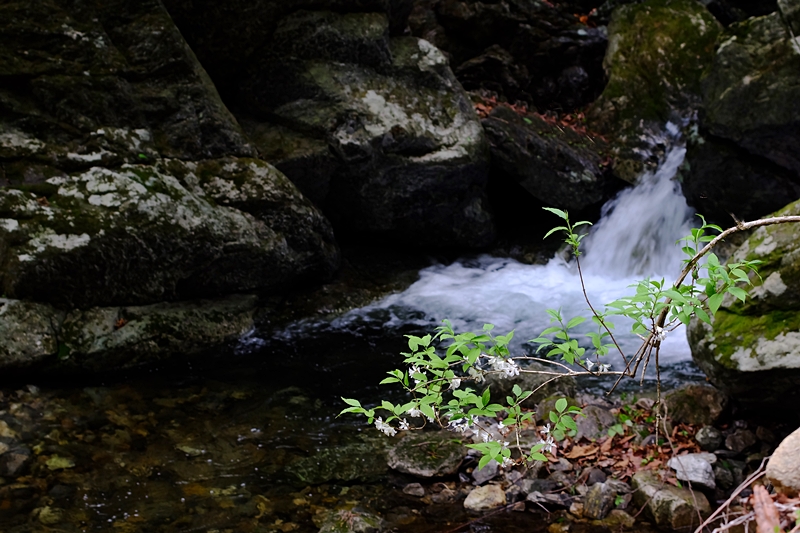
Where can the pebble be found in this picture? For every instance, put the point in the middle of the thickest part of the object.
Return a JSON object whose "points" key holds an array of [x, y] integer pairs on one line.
{"points": [[414, 489]]}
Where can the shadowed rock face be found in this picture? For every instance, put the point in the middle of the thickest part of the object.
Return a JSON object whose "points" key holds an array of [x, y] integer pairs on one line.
{"points": [[127, 182], [745, 158]]}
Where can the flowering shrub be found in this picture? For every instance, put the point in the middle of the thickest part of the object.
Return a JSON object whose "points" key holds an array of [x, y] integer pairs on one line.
{"points": [[438, 365]]}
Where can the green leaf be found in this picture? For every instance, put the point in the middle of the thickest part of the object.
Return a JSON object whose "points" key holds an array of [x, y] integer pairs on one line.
{"points": [[575, 321], [553, 417], [714, 301], [702, 315], [559, 228], [558, 212], [389, 380], [561, 405], [516, 390], [739, 293], [350, 401]]}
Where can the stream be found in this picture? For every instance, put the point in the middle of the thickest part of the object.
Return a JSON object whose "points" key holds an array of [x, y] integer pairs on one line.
{"points": [[213, 445]]}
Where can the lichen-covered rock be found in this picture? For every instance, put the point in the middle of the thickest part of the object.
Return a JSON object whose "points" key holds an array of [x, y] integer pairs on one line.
{"points": [[375, 130], [347, 520], [136, 235], [670, 508], [427, 454], [783, 469], [745, 160], [28, 332], [657, 51], [558, 166], [751, 351]]}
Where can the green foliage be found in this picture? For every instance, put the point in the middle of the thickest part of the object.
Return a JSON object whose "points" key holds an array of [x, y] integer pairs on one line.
{"points": [[437, 365]]}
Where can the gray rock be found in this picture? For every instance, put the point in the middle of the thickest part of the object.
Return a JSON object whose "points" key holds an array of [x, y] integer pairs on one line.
{"points": [[374, 128], [669, 507], [598, 501], [709, 438], [555, 165], [595, 424], [695, 404], [15, 461], [485, 498], [558, 500], [783, 469], [489, 471], [740, 440], [694, 468], [723, 477], [426, 454], [28, 332], [123, 337], [594, 475]]}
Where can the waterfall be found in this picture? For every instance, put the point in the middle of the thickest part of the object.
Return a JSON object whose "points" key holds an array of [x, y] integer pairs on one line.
{"points": [[635, 238]]}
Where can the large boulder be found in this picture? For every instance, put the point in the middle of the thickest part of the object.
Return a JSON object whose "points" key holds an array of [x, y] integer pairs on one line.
{"points": [[751, 350], [656, 54], [670, 508], [125, 181], [746, 158], [561, 166], [374, 129]]}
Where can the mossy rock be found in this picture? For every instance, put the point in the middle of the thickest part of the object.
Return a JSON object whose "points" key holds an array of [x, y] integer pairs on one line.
{"points": [[657, 53], [352, 462], [751, 350]]}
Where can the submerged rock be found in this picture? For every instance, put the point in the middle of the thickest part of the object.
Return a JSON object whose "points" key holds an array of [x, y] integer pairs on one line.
{"points": [[351, 462], [427, 454], [750, 350]]}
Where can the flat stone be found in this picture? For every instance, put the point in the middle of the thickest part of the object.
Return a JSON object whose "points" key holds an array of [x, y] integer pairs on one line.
{"points": [[740, 440], [427, 454], [694, 468], [414, 489], [485, 498], [489, 471]]}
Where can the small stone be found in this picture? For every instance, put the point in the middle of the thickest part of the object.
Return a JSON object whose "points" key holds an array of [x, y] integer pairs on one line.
{"points": [[765, 435], [576, 509], [50, 515], [57, 463], [595, 475], [595, 423], [485, 498], [694, 468], [599, 501], [709, 438], [489, 471], [414, 489], [189, 450], [723, 477], [740, 440], [696, 404], [616, 520], [563, 465], [783, 469]]}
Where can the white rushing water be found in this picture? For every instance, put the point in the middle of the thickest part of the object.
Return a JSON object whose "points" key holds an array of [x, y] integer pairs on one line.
{"points": [[634, 239]]}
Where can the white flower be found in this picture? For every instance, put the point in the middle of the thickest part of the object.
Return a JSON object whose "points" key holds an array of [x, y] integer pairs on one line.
{"points": [[507, 461], [545, 430], [661, 333], [414, 413], [589, 365], [403, 425], [548, 444], [603, 367], [485, 437], [414, 370], [455, 383], [384, 427], [507, 367], [477, 375], [505, 444]]}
